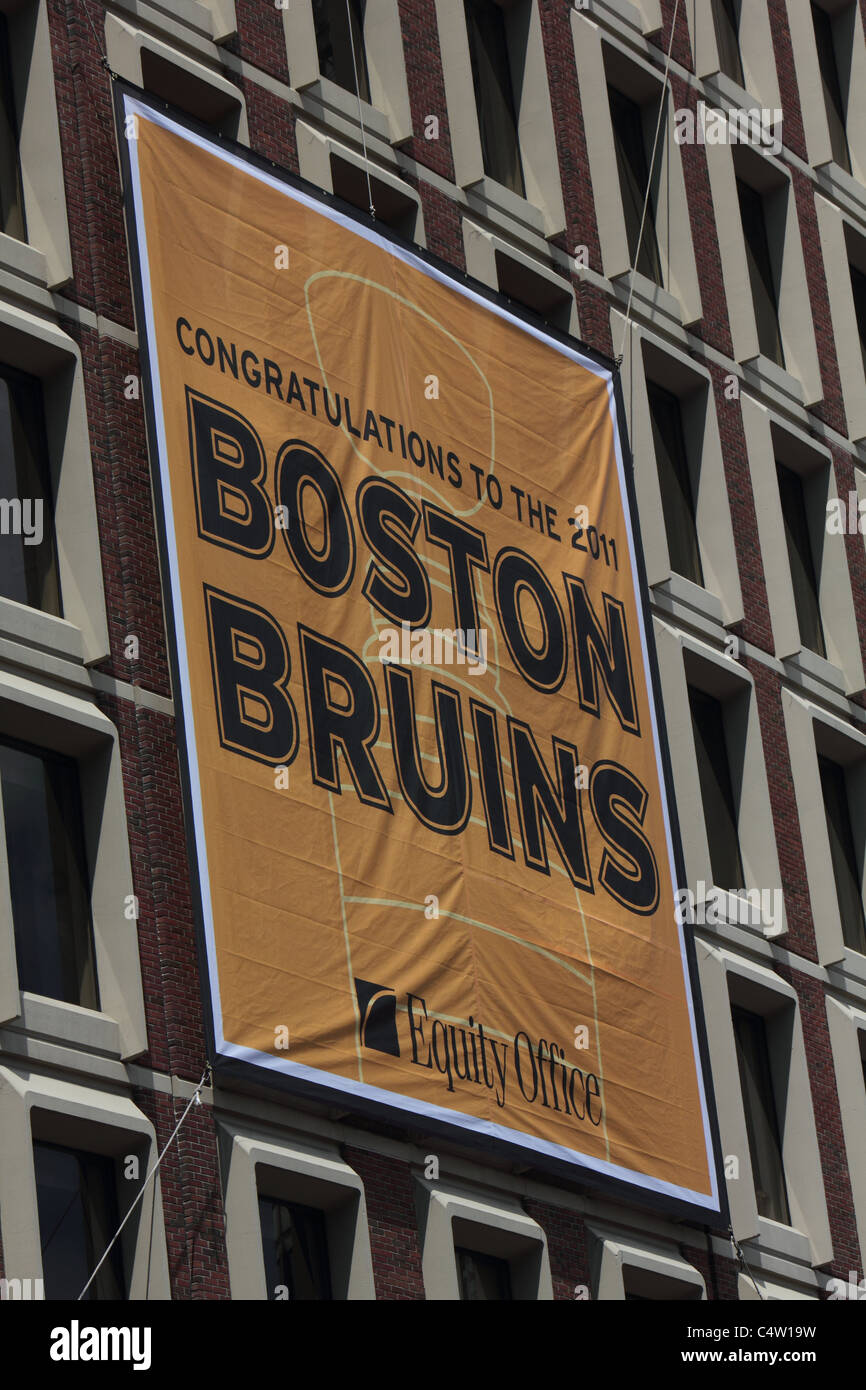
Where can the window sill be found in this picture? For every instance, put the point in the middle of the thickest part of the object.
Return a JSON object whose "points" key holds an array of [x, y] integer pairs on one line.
{"points": [[326, 94], [684, 592], [44, 631], [784, 1240], [21, 259], [732, 904], [486, 196], [817, 668], [844, 186], [764, 373], [733, 96], [68, 1024], [653, 302]]}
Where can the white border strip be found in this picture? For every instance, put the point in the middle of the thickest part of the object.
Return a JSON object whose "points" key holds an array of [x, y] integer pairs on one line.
{"points": [[329, 1080]]}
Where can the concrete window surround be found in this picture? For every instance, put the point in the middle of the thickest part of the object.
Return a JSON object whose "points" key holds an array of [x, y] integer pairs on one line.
{"points": [[683, 661], [728, 979], [813, 731], [34, 1106], [620, 1265], [49, 718], [800, 381], [324, 161], [843, 244], [601, 60], [847, 1025], [46, 256], [852, 82], [721, 599], [495, 262], [305, 1171], [451, 1215], [756, 54], [161, 68], [386, 69], [770, 438], [535, 131], [37, 346]]}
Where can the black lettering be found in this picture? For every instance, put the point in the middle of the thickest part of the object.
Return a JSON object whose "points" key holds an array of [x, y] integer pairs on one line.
{"points": [[342, 713], [538, 800], [228, 470], [489, 757], [597, 653], [467, 549], [618, 799], [328, 568], [250, 665], [389, 522], [443, 808], [543, 665]]}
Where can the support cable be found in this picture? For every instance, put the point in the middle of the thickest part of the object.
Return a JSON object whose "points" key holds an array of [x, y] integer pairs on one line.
{"points": [[360, 111], [195, 1099]]}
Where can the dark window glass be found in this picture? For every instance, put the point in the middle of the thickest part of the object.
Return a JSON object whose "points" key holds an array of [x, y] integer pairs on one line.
{"points": [[762, 1122], [339, 27], [494, 93], [633, 168], [726, 17], [801, 559], [833, 100], [761, 272], [483, 1277], [28, 558], [48, 878], [675, 482], [717, 794], [77, 1199], [843, 854], [858, 289], [295, 1247], [11, 197]]}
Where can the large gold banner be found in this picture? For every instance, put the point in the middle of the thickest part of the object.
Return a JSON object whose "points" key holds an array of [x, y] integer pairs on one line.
{"points": [[420, 743]]}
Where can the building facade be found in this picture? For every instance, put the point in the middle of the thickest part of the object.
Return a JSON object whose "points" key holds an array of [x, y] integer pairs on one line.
{"points": [[680, 185]]}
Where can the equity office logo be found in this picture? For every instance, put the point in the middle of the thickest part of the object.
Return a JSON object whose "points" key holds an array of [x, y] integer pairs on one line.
{"points": [[479, 1056], [377, 1005]]}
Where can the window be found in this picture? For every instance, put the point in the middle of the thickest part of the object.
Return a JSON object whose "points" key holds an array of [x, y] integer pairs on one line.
{"points": [[717, 796], [482, 1277], [762, 1124], [340, 43], [494, 93], [833, 99], [762, 272], [295, 1248], [634, 177], [801, 559], [726, 19], [48, 878], [28, 557], [675, 482], [11, 196], [843, 853], [78, 1215], [858, 289]]}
